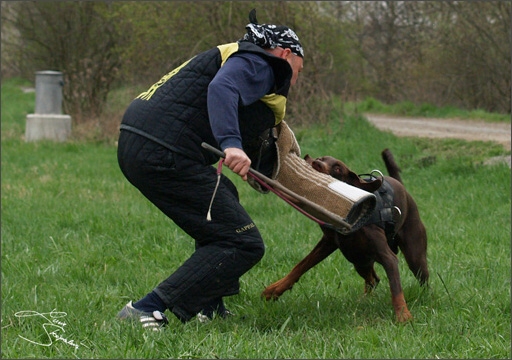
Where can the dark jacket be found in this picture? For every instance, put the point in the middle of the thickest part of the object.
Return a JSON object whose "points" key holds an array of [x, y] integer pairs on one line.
{"points": [[174, 110]]}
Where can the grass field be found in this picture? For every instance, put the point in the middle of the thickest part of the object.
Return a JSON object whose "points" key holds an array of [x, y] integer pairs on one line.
{"points": [[78, 242]]}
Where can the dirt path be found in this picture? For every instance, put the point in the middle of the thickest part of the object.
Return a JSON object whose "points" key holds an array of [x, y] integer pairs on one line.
{"points": [[446, 128]]}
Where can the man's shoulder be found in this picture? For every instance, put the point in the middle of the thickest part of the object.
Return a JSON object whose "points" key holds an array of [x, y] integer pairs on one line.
{"points": [[251, 57]]}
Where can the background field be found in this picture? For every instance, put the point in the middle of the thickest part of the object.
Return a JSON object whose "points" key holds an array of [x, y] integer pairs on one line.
{"points": [[78, 239]]}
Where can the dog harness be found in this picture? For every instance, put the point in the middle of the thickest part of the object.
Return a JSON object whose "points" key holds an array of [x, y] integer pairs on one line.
{"points": [[385, 214]]}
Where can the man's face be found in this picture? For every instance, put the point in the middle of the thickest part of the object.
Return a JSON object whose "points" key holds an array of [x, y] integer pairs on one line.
{"points": [[296, 62]]}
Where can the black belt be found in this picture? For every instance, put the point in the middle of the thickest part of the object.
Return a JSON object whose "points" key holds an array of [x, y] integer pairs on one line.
{"points": [[146, 135]]}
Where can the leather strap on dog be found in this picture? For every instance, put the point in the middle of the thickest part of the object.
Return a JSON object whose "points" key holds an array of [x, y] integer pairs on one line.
{"points": [[385, 214]]}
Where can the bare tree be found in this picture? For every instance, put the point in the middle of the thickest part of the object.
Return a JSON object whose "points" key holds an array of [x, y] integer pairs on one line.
{"points": [[76, 38], [477, 54], [445, 53]]}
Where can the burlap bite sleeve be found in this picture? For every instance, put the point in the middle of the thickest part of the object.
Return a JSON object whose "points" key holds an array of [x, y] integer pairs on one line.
{"points": [[294, 173]]}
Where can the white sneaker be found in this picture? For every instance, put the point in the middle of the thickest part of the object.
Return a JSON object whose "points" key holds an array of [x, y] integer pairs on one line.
{"points": [[153, 321]]}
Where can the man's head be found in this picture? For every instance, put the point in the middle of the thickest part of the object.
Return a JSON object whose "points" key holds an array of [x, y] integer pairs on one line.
{"points": [[296, 62], [279, 40]]}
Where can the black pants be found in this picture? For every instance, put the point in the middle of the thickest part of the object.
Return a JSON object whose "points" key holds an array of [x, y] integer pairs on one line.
{"points": [[226, 247]]}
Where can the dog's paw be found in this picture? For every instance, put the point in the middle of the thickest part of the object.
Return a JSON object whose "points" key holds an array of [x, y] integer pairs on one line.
{"points": [[269, 295], [404, 316], [274, 291]]}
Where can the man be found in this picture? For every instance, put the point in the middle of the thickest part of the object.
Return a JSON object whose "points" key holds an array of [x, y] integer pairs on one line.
{"points": [[229, 97]]}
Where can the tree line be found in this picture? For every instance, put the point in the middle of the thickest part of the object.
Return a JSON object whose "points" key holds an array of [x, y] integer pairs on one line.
{"points": [[453, 53]]}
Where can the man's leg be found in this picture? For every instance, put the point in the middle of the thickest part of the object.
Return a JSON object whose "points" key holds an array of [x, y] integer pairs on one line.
{"points": [[227, 246]]}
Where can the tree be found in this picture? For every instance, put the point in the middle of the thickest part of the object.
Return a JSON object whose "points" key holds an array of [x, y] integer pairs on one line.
{"points": [[476, 60], [76, 38], [445, 53]]}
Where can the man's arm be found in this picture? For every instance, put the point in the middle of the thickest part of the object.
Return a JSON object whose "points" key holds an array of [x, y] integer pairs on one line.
{"points": [[243, 79]]}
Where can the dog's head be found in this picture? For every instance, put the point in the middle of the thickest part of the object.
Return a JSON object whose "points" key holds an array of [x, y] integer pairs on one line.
{"points": [[338, 170]]}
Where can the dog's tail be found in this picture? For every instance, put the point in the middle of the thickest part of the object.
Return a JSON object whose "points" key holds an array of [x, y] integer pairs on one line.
{"points": [[393, 169]]}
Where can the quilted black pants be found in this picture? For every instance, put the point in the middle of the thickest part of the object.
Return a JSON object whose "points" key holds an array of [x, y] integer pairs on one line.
{"points": [[226, 247]]}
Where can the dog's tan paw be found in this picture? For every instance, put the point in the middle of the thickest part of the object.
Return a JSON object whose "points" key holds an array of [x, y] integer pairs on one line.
{"points": [[404, 316], [274, 291], [269, 295]]}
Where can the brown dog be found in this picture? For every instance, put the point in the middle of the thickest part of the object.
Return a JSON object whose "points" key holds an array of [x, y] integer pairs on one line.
{"points": [[377, 241]]}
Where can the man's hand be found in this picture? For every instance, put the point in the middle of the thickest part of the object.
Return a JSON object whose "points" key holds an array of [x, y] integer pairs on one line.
{"points": [[238, 161]]}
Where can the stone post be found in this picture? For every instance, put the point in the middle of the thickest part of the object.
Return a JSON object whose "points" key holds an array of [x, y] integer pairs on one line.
{"points": [[48, 122]]}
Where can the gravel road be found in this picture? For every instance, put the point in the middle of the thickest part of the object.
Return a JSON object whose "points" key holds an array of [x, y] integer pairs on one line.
{"points": [[446, 128]]}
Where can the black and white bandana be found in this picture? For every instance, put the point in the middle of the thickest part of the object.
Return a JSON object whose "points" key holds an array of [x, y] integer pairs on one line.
{"points": [[271, 36]]}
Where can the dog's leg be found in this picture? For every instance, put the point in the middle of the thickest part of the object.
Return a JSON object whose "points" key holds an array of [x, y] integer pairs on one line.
{"points": [[324, 248], [390, 263], [414, 248], [371, 279]]}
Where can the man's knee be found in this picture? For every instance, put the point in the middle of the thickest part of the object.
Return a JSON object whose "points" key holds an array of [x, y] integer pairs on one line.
{"points": [[257, 252], [253, 249]]}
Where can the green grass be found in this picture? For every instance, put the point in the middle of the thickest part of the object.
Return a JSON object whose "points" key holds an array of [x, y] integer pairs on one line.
{"points": [[15, 107], [408, 108], [78, 238]]}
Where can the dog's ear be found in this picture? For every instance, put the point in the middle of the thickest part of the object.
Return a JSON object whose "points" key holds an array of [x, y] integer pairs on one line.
{"points": [[308, 159], [356, 181]]}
